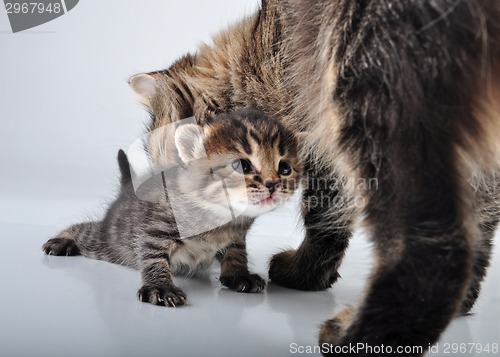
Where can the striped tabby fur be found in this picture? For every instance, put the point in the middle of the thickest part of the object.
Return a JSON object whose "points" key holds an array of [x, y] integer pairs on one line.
{"points": [[143, 234], [406, 92]]}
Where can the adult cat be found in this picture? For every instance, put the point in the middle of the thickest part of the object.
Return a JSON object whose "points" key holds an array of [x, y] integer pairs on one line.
{"points": [[405, 92]]}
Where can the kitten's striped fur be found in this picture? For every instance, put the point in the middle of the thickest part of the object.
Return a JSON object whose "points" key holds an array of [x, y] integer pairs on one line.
{"points": [[143, 234], [404, 91]]}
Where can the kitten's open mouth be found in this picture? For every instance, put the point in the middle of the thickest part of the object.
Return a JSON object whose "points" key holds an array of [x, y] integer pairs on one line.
{"points": [[268, 201]]}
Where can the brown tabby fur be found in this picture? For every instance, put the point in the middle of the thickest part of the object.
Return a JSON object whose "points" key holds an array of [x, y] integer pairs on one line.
{"points": [[208, 194], [406, 92]]}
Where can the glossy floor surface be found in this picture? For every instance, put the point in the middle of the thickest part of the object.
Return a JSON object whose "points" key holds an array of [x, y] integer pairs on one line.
{"points": [[74, 306]]}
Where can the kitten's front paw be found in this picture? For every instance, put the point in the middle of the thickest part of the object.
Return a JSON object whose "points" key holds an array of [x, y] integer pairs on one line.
{"points": [[287, 270], [163, 296], [252, 283], [333, 331], [61, 246]]}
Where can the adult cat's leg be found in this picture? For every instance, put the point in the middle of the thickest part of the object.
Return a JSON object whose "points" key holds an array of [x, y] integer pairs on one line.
{"points": [[234, 270], [487, 216], [402, 98], [327, 217], [423, 232]]}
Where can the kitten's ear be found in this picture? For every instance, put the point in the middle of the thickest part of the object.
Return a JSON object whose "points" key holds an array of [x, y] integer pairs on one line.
{"points": [[145, 86], [189, 142]]}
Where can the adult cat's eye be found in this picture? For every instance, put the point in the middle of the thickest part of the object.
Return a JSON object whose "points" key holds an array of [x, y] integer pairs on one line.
{"points": [[242, 165], [284, 168]]}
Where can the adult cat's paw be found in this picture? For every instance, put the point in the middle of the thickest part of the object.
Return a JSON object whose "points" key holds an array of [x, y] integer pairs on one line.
{"points": [[333, 331], [61, 246], [251, 283], [288, 270], [162, 295]]}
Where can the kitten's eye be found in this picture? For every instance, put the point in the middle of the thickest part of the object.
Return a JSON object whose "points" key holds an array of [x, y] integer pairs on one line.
{"points": [[242, 165], [284, 168]]}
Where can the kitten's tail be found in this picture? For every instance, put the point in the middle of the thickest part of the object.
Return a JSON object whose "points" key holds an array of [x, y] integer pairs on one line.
{"points": [[126, 176]]}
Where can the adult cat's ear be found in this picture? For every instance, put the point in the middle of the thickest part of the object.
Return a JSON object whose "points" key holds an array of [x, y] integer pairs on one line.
{"points": [[189, 142], [145, 86]]}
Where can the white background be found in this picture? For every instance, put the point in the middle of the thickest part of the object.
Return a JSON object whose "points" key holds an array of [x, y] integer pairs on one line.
{"points": [[66, 107]]}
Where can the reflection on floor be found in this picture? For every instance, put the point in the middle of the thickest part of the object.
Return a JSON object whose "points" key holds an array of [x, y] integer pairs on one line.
{"points": [[73, 306]]}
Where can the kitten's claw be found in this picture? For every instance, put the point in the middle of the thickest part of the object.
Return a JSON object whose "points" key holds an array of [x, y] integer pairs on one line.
{"points": [[251, 283], [171, 302], [163, 296], [61, 246]]}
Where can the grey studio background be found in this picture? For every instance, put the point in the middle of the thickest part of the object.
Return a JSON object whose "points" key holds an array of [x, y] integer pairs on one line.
{"points": [[65, 110]]}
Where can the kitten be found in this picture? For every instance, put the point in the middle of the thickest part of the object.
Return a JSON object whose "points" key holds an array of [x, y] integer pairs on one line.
{"points": [[404, 92], [231, 170]]}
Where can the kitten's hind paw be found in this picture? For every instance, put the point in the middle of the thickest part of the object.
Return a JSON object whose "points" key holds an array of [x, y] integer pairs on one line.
{"points": [[61, 246], [251, 283], [163, 296]]}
